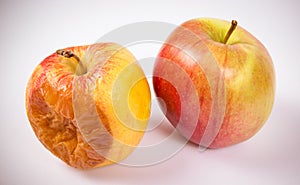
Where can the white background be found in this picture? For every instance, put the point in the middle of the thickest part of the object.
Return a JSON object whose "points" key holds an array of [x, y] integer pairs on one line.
{"points": [[30, 31]]}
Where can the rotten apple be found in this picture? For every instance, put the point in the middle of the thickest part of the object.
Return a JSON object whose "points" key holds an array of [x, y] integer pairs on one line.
{"points": [[89, 105]]}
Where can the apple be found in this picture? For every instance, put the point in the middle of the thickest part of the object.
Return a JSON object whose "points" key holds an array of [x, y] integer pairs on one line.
{"points": [[216, 80], [89, 105]]}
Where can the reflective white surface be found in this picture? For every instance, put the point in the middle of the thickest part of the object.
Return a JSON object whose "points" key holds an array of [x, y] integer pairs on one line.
{"points": [[30, 31]]}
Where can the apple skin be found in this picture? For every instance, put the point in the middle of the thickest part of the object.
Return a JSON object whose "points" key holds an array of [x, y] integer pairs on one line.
{"points": [[234, 82], [57, 91]]}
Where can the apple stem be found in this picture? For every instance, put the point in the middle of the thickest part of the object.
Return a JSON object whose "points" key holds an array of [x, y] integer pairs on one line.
{"points": [[230, 31], [70, 54]]}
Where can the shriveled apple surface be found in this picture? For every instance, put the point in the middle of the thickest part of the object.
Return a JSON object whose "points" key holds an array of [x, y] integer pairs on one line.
{"points": [[92, 116]]}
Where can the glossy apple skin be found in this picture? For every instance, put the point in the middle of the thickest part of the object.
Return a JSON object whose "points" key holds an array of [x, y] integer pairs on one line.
{"points": [[56, 91], [236, 80]]}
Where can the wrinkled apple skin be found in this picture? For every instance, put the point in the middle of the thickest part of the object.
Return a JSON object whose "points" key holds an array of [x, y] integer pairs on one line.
{"points": [[235, 98], [50, 103]]}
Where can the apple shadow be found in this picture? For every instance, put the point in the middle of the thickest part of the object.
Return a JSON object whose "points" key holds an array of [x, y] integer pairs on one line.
{"points": [[274, 151], [119, 173]]}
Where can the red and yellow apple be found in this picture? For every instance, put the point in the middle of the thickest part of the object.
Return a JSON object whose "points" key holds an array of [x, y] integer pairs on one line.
{"points": [[217, 82], [89, 105]]}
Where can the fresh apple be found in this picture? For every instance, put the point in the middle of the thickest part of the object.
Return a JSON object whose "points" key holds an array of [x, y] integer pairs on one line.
{"points": [[89, 105], [217, 82]]}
